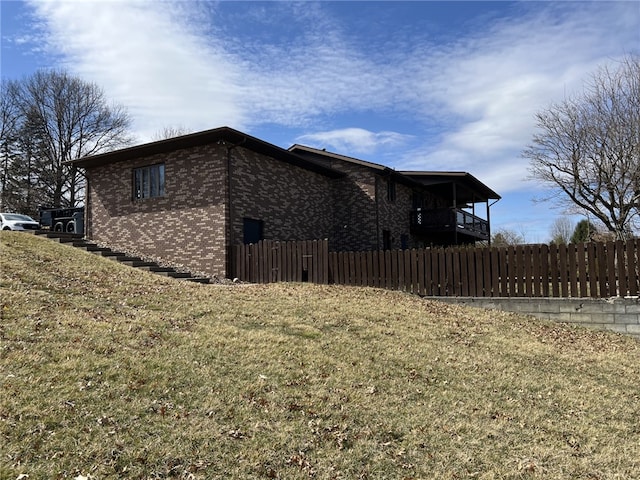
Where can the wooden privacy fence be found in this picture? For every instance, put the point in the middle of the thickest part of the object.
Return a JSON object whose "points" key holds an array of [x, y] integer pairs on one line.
{"points": [[602, 270], [268, 261]]}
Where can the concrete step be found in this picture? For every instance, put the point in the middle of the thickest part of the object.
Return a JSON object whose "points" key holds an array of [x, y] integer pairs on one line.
{"points": [[59, 235], [157, 269], [92, 248], [64, 239], [137, 263], [128, 258], [174, 274], [197, 280], [109, 253]]}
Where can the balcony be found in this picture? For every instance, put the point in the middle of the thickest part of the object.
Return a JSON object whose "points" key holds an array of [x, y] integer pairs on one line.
{"points": [[459, 224]]}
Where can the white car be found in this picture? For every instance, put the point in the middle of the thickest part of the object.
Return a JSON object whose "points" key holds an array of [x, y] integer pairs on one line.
{"points": [[15, 221]]}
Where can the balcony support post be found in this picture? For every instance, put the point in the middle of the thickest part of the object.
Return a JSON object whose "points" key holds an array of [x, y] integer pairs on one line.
{"points": [[455, 219]]}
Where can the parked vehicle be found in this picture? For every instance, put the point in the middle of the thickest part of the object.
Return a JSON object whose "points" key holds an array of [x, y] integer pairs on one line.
{"points": [[16, 221], [69, 220]]}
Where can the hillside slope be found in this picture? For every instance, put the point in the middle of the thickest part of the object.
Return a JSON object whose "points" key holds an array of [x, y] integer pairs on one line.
{"points": [[108, 372]]}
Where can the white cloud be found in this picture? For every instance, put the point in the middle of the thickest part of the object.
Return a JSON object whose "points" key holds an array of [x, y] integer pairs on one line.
{"points": [[473, 99], [352, 141], [488, 88], [148, 60]]}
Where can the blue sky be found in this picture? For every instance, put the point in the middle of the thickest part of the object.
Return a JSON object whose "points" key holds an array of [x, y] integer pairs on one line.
{"points": [[412, 85]]}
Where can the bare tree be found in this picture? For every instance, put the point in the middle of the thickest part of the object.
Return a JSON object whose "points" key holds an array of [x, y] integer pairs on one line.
{"points": [[170, 132], [61, 118], [505, 237], [561, 230], [8, 144], [587, 148]]}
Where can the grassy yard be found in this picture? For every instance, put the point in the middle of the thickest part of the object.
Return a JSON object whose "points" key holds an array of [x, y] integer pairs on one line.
{"points": [[107, 372]]}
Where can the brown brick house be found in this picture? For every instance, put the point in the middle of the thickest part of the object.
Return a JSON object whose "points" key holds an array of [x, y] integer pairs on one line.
{"points": [[189, 198]]}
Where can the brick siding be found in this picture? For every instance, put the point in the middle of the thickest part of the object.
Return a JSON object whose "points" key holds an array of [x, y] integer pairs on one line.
{"points": [[186, 226], [293, 203]]}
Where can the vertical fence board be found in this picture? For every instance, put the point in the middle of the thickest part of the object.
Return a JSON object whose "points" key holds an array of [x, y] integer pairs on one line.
{"points": [[601, 259], [345, 267], [621, 268], [448, 271], [430, 272], [527, 254], [544, 270], [471, 273], [285, 251], [366, 265], [512, 271], [479, 266], [403, 285], [455, 259], [553, 270], [495, 272], [364, 274], [294, 262], [375, 271], [612, 276], [573, 270], [562, 265], [434, 274], [520, 271], [280, 261], [406, 254], [536, 268], [503, 274], [325, 252], [395, 271], [304, 261], [486, 272], [592, 266], [440, 272], [427, 281], [413, 259], [420, 277], [387, 269], [313, 264], [464, 273], [254, 265], [582, 270], [353, 274], [270, 266], [632, 262], [370, 274]]}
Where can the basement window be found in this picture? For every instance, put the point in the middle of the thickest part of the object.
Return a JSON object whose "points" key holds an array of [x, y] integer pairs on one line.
{"points": [[148, 182]]}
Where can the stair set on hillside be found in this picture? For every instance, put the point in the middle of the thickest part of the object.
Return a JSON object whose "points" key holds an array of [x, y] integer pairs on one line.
{"points": [[77, 240]]}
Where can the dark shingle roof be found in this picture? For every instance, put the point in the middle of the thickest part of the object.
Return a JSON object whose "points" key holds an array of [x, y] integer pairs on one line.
{"points": [[469, 188], [225, 135]]}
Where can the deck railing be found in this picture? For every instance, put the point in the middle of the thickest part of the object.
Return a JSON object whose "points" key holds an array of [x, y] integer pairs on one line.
{"points": [[449, 220]]}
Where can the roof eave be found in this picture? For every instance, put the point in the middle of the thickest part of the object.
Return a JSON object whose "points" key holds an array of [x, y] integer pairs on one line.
{"points": [[221, 134]]}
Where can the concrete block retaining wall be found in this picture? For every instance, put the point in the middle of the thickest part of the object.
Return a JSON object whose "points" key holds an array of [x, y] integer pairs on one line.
{"points": [[618, 314]]}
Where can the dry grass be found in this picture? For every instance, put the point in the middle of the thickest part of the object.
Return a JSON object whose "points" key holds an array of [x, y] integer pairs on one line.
{"points": [[107, 372]]}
